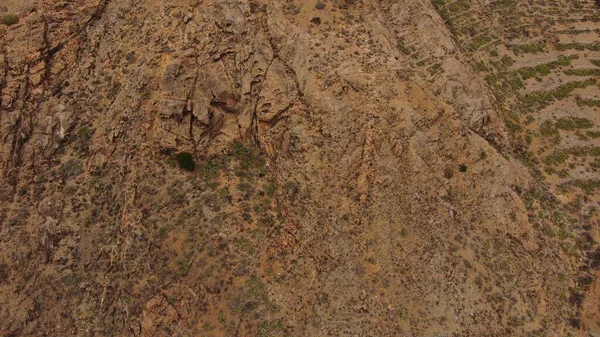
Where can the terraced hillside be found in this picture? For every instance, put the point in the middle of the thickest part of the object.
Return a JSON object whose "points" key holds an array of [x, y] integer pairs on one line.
{"points": [[541, 59]]}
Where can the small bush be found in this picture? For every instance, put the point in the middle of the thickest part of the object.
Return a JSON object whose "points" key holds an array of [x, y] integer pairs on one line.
{"points": [[587, 101], [71, 168], [209, 171], [448, 173], [463, 168], [246, 188], [185, 161], [547, 129], [9, 19], [249, 158], [320, 5], [593, 134]]}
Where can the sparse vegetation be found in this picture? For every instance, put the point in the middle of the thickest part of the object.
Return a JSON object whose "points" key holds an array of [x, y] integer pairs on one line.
{"points": [[578, 46], [9, 19], [434, 69], [542, 98], [593, 134], [582, 72], [337, 221], [572, 123], [587, 185], [248, 158], [560, 156], [587, 101], [209, 170], [184, 267], [548, 129], [545, 68], [70, 169], [534, 48]]}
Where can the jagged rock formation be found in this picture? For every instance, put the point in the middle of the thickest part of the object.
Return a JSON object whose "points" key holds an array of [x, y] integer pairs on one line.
{"points": [[353, 177]]}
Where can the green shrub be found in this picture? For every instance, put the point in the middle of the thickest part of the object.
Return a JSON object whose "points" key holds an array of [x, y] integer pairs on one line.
{"points": [[582, 72], [560, 156], [245, 187], [587, 101], [185, 161], [434, 68], [9, 19], [572, 123], [184, 266], [539, 99], [588, 186], [547, 129], [249, 158], [71, 168], [545, 68], [320, 5], [209, 171], [533, 48], [578, 46], [556, 158], [593, 134]]}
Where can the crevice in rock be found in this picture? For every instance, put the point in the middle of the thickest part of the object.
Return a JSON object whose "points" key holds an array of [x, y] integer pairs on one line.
{"points": [[254, 129], [47, 57], [18, 141], [96, 16], [278, 116], [189, 107], [4, 75]]}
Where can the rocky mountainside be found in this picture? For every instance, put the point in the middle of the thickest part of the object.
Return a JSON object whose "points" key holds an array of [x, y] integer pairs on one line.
{"points": [[299, 168]]}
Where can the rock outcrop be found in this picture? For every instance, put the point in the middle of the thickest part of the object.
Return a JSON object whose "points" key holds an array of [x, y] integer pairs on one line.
{"points": [[338, 190]]}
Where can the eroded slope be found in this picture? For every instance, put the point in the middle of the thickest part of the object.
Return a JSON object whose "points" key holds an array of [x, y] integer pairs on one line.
{"points": [[345, 181]]}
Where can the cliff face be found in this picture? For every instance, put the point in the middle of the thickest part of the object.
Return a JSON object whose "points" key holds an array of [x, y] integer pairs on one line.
{"points": [[347, 177]]}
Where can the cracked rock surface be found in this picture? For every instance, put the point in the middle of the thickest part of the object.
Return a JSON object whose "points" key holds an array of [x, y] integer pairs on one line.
{"points": [[338, 189]]}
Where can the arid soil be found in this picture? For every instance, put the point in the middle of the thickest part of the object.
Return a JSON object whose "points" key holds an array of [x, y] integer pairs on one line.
{"points": [[299, 168]]}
